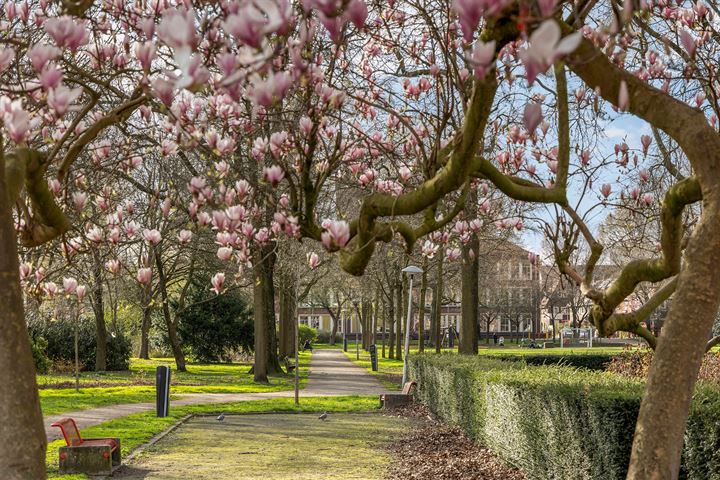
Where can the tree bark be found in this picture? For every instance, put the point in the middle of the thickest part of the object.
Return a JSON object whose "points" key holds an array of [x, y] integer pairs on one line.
{"points": [[391, 316], [421, 308], [146, 322], [401, 315], [384, 323], [660, 428], [437, 301], [470, 298], [288, 316], [22, 455], [99, 311], [266, 362], [169, 322]]}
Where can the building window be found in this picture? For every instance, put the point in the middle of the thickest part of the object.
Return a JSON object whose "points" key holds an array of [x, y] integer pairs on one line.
{"points": [[525, 271]]}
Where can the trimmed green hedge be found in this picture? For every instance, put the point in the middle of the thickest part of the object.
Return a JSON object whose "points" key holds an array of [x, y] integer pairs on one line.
{"points": [[591, 361], [556, 422]]}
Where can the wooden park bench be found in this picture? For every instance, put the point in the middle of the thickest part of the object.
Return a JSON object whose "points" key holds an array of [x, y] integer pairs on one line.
{"points": [[91, 456], [395, 400]]}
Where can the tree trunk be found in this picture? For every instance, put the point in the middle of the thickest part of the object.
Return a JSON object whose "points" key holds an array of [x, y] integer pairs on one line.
{"points": [[169, 323], [333, 329], [401, 315], [660, 427], [384, 323], [288, 317], [421, 308], [266, 362], [437, 301], [99, 310], [22, 455], [391, 316], [146, 322], [470, 298]]}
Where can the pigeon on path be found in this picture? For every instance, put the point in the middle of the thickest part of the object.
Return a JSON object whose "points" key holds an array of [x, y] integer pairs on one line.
{"points": [[221, 417], [323, 417]]}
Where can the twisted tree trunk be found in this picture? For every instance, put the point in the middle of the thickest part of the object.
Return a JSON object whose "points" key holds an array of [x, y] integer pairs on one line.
{"points": [[266, 361], [99, 311], [22, 456]]}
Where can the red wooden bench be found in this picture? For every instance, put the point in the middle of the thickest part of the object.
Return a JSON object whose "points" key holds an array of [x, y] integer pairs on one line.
{"points": [[91, 456], [394, 400]]}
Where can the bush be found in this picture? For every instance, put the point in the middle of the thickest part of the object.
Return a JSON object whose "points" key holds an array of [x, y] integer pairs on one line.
{"points": [[215, 327], [637, 364], [39, 352], [323, 336], [591, 361], [306, 333], [556, 422], [60, 338]]}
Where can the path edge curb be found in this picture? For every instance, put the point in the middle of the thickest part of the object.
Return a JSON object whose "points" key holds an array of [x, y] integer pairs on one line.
{"points": [[141, 448]]}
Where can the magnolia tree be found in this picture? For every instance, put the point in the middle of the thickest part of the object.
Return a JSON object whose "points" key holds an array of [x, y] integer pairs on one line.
{"points": [[420, 111]]}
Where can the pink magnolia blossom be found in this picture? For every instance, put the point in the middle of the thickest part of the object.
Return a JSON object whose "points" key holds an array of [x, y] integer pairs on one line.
{"points": [[605, 190], [177, 29], [152, 236], [546, 48], [144, 275], [79, 200], [113, 266], [7, 55], [429, 249], [532, 116], [66, 32], [224, 253], [453, 254], [648, 198], [273, 175], [60, 98], [41, 54], [50, 77], [25, 270], [688, 42], [69, 285], [313, 260], [95, 234], [585, 157], [405, 173], [646, 140], [185, 236], [15, 119], [50, 289], [131, 228], [218, 280], [266, 91], [623, 97], [336, 234], [163, 91], [81, 292], [644, 175], [145, 53], [482, 58], [469, 13]]}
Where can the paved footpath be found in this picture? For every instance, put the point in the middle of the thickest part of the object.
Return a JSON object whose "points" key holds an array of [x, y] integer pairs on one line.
{"points": [[331, 374]]}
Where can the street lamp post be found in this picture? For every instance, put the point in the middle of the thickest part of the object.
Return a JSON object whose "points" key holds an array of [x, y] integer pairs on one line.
{"points": [[411, 270]]}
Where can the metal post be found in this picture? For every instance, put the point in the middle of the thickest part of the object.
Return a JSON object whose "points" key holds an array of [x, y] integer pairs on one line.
{"points": [[297, 362], [407, 332], [77, 354]]}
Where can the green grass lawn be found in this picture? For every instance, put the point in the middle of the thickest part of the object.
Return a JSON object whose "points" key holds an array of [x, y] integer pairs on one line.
{"points": [[135, 430], [138, 384]]}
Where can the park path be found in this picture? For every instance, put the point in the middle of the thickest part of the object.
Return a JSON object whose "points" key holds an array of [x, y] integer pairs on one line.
{"points": [[331, 375]]}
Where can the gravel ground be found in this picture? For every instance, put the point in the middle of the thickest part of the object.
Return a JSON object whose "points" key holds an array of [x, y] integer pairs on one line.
{"points": [[437, 451]]}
